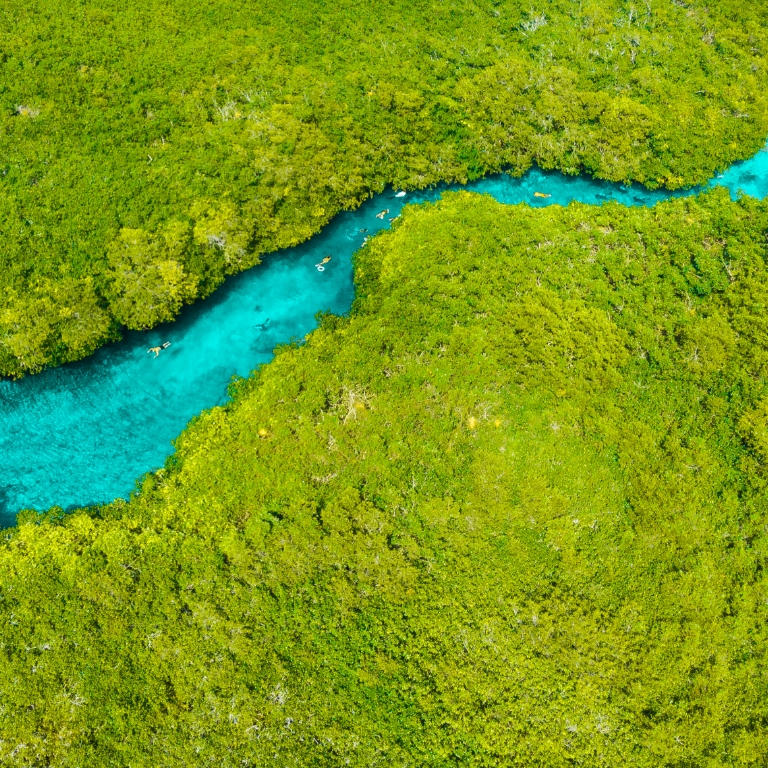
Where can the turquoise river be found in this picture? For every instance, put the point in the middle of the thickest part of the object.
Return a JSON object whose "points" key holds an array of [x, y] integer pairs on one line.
{"points": [[84, 433]]}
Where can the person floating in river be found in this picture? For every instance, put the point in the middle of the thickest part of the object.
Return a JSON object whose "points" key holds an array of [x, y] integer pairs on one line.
{"points": [[541, 194], [382, 214], [321, 265], [158, 350]]}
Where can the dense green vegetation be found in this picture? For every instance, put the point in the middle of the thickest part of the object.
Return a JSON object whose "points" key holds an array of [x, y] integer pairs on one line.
{"points": [[148, 149], [510, 512]]}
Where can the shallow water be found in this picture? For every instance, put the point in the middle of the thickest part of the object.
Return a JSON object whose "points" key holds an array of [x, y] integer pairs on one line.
{"points": [[83, 433]]}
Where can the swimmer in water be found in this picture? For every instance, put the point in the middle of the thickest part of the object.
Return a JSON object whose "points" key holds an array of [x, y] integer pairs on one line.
{"points": [[541, 194], [362, 230], [158, 350], [382, 214], [321, 265]]}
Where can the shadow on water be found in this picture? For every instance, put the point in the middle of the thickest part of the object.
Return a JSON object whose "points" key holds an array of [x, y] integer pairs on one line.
{"points": [[7, 509], [87, 430]]}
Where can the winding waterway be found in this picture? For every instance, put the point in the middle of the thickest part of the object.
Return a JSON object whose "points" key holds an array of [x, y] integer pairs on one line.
{"points": [[83, 433]]}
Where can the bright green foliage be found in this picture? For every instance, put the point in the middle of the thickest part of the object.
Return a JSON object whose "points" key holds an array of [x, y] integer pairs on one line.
{"points": [[511, 512], [148, 286], [251, 123]]}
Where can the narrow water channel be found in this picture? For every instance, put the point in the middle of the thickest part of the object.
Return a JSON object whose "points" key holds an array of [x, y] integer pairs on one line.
{"points": [[83, 433]]}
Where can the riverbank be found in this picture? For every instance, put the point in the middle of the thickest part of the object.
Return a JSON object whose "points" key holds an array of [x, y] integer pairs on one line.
{"points": [[509, 511], [83, 434], [163, 146]]}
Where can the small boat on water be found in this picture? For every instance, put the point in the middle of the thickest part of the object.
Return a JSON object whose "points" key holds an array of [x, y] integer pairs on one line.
{"points": [[401, 193], [382, 214]]}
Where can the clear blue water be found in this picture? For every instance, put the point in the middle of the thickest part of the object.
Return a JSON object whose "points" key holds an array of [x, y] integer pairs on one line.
{"points": [[83, 433]]}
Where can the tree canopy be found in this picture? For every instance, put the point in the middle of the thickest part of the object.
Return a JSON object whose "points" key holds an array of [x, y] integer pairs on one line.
{"points": [[208, 134], [510, 512]]}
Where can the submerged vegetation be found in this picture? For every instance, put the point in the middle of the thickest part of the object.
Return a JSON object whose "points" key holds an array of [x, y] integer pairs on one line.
{"points": [[149, 149], [510, 512]]}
